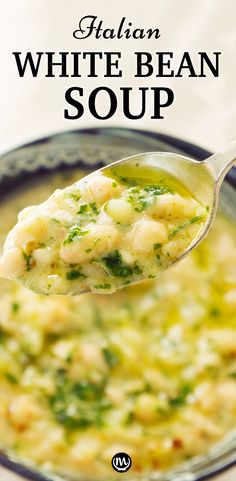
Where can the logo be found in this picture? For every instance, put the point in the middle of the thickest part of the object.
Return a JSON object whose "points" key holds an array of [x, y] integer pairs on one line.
{"points": [[121, 462]]}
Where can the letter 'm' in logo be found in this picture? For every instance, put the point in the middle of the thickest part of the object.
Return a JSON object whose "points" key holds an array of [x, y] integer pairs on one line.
{"points": [[121, 462]]}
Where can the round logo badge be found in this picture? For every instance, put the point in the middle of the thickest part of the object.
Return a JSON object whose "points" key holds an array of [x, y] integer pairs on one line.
{"points": [[121, 462]]}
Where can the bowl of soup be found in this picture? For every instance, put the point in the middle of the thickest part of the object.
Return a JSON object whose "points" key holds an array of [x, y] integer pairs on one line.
{"points": [[147, 373]]}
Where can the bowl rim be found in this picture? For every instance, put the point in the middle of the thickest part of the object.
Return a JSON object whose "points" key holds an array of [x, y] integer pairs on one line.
{"points": [[179, 143], [28, 472]]}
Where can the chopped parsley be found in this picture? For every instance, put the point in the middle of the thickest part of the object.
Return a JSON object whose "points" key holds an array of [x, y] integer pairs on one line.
{"points": [[157, 246], [215, 312], [78, 405], [83, 209], [158, 189], [76, 195], [180, 399], [87, 390], [15, 307], [27, 258], [117, 268], [138, 196], [137, 199], [142, 205], [184, 225], [55, 220], [86, 208], [103, 286], [10, 377], [75, 274], [2, 335], [111, 358], [127, 180], [94, 208], [74, 232], [130, 418]]}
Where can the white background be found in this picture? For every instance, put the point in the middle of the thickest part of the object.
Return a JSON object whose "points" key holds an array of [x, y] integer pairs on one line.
{"points": [[204, 111]]}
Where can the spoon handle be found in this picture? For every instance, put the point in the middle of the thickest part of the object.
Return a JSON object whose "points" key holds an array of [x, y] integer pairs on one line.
{"points": [[221, 162]]}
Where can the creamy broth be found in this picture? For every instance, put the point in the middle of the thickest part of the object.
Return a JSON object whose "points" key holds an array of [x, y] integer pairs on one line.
{"points": [[150, 371], [102, 233]]}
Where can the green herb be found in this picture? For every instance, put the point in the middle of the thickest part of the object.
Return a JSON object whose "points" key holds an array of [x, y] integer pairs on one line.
{"points": [[74, 232], [117, 268], [10, 377], [134, 190], [55, 220], [78, 405], [69, 358], [180, 399], [114, 184], [128, 180], [2, 335], [142, 205], [136, 198], [94, 208], [103, 286], [136, 270], [111, 358], [130, 418], [15, 307], [88, 250], [215, 312], [158, 189], [146, 388], [115, 265], [27, 259], [83, 208], [87, 390], [76, 196], [184, 225], [233, 374], [157, 246], [75, 274]]}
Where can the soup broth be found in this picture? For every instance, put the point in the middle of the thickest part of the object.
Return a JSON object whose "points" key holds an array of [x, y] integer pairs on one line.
{"points": [[150, 371]]}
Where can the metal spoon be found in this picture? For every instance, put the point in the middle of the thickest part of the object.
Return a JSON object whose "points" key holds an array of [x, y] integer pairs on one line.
{"points": [[202, 178]]}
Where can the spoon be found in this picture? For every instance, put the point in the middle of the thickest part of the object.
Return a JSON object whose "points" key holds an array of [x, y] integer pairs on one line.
{"points": [[101, 247], [202, 178]]}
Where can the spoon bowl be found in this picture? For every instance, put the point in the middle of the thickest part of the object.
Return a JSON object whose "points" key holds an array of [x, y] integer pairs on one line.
{"points": [[203, 179], [120, 225]]}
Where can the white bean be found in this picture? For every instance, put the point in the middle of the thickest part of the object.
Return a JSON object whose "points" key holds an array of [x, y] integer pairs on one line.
{"points": [[120, 210], [145, 233], [100, 239]]}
